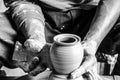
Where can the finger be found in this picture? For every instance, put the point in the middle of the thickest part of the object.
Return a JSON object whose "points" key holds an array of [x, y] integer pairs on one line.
{"points": [[38, 69], [77, 73], [34, 63], [24, 66], [29, 66]]}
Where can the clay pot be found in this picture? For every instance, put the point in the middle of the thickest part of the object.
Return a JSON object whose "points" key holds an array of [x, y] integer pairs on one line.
{"points": [[66, 53]]}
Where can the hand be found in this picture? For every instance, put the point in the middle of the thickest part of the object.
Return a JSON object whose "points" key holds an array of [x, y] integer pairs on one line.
{"points": [[41, 62], [31, 62], [89, 59]]}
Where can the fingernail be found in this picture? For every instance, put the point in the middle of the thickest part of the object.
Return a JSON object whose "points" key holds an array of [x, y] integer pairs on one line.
{"points": [[35, 60]]}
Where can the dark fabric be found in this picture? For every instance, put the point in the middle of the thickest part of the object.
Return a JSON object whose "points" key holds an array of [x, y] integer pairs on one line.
{"points": [[73, 21], [56, 4], [8, 37]]}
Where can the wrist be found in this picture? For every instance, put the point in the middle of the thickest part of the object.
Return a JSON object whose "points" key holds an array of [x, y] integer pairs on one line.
{"points": [[90, 46]]}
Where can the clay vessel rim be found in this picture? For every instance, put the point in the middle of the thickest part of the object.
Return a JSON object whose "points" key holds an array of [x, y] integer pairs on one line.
{"points": [[59, 39]]}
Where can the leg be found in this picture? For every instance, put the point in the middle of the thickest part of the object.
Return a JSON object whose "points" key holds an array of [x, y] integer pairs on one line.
{"points": [[7, 39]]}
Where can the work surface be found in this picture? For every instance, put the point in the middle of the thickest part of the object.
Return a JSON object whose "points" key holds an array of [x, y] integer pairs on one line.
{"points": [[45, 75], [42, 76]]}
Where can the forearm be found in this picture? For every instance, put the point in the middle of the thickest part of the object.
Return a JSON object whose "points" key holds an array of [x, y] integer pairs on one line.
{"points": [[29, 19], [106, 15]]}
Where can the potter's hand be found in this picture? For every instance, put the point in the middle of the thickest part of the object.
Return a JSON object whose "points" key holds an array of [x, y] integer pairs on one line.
{"points": [[89, 59], [31, 62], [41, 62]]}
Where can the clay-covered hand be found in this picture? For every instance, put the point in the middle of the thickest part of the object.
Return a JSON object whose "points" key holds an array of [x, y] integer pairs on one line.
{"points": [[31, 62], [89, 59], [40, 62]]}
